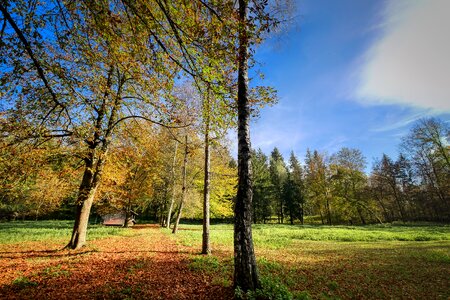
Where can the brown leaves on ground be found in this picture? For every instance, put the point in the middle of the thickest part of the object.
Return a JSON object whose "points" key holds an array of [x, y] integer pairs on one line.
{"points": [[145, 265]]}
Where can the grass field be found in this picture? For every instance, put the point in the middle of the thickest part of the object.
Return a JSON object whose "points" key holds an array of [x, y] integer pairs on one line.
{"points": [[28, 231], [301, 262], [332, 262]]}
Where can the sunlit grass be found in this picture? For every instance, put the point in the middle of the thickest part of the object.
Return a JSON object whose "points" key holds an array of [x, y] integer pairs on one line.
{"points": [[276, 236], [324, 262], [55, 231], [335, 262]]}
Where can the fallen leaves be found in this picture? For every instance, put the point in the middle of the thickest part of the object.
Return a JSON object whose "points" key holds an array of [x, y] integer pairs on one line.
{"points": [[145, 265]]}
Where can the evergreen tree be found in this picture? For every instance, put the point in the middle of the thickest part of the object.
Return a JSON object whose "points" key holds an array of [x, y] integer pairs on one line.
{"points": [[295, 190], [278, 175], [262, 186]]}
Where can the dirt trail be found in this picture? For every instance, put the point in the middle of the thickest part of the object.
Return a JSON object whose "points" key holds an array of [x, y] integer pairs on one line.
{"points": [[146, 265]]}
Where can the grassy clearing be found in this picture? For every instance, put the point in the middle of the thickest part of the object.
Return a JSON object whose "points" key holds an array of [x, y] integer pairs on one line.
{"points": [[280, 236], [55, 231], [295, 262], [335, 262]]}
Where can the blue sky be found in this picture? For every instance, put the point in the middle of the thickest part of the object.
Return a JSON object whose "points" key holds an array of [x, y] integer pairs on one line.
{"points": [[355, 73]]}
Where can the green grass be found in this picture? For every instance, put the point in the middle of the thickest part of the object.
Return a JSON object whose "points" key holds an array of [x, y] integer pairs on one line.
{"points": [[274, 236], [295, 262], [28, 231], [333, 262]]}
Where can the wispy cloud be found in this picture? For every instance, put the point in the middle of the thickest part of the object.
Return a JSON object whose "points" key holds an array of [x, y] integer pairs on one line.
{"points": [[409, 64], [402, 122]]}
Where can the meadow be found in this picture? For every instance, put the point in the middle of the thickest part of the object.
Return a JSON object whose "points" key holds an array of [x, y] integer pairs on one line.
{"points": [[395, 261]]}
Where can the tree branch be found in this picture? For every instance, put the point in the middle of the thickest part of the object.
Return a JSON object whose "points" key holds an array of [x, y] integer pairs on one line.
{"points": [[27, 45]]}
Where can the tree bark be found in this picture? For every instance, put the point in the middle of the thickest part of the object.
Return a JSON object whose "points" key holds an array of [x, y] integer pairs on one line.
{"points": [[85, 198], [206, 245], [245, 270], [183, 191], [172, 200], [84, 202]]}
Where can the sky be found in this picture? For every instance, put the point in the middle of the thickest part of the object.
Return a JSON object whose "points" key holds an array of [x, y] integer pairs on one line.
{"points": [[355, 73]]}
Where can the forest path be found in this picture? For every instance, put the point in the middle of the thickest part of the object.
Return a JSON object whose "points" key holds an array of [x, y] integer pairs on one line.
{"points": [[147, 264]]}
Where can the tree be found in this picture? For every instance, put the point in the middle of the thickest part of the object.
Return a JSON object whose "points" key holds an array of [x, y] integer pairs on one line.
{"points": [[184, 187], [35, 179], [349, 181], [95, 69], [318, 184], [172, 198], [262, 187], [245, 270], [278, 176], [427, 147], [294, 190]]}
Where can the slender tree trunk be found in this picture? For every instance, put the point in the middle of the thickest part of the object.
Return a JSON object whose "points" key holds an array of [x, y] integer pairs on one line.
{"points": [[172, 200], [301, 213], [206, 245], [183, 191], [281, 209], [321, 217], [245, 270], [328, 211]]}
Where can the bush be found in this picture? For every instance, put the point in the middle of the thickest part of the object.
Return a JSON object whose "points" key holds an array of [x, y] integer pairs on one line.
{"points": [[271, 289]]}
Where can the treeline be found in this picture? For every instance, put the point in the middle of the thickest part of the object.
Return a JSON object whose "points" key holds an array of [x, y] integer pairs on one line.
{"points": [[335, 189], [143, 175]]}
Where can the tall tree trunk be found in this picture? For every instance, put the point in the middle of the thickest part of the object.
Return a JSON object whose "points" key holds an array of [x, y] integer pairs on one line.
{"points": [[172, 200], [183, 191], [206, 245], [245, 270], [85, 198]]}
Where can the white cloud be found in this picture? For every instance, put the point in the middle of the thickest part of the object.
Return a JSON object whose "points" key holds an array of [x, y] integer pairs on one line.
{"points": [[410, 63]]}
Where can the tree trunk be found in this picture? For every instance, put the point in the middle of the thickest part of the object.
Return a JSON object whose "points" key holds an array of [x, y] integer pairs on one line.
{"points": [[281, 209], [85, 198], [361, 216], [172, 200], [206, 245], [301, 213], [328, 211], [94, 163], [183, 191], [245, 270]]}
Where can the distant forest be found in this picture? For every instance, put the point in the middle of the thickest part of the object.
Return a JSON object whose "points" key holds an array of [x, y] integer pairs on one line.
{"points": [[144, 174], [334, 189]]}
